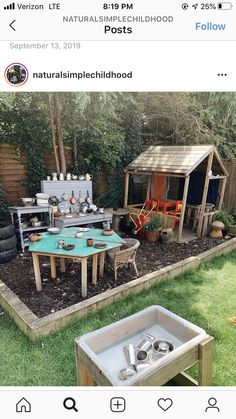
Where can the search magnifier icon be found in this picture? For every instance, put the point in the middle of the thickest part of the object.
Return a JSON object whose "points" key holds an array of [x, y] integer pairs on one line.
{"points": [[70, 404]]}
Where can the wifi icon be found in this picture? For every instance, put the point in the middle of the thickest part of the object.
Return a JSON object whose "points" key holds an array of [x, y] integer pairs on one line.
{"points": [[195, 6]]}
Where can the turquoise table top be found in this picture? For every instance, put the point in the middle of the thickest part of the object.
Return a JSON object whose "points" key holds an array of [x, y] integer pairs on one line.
{"points": [[94, 233], [48, 244]]}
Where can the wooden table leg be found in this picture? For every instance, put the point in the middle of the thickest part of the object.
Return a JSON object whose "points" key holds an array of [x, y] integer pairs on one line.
{"points": [[84, 277], [205, 362], [63, 265], [84, 376], [101, 267], [95, 267], [37, 275], [53, 267]]}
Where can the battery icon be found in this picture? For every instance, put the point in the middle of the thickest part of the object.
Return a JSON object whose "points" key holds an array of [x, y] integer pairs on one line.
{"points": [[225, 5]]}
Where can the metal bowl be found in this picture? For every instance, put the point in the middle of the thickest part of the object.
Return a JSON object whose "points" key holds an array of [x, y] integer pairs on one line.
{"points": [[162, 347], [27, 202], [37, 223], [54, 230]]}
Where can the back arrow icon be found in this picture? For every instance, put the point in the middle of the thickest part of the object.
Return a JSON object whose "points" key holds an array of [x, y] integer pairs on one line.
{"points": [[12, 24]]}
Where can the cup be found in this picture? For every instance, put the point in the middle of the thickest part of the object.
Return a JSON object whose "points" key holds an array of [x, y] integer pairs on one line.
{"points": [[48, 177], [89, 242], [60, 244]]}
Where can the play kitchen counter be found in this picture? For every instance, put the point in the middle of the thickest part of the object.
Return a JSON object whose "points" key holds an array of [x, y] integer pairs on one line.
{"points": [[48, 247], [77, 220], [101, 358]]}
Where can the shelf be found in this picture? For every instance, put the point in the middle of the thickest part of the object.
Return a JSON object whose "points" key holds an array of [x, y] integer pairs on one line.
{"points": [[34, 228], [217, 177]]}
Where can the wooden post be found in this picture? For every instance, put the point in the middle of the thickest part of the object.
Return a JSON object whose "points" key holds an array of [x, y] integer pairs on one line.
{"points": [[53, 267], [102, 262], [181, 221], [205, 362], [126, 193], [62, 265], [95, 266], [222, 193], [204, 195], [148, 188], [37, 275], [84, 277], [84, 377]]}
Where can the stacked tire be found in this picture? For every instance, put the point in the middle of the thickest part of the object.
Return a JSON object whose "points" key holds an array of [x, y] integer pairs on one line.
{"points": [[8, 243]]}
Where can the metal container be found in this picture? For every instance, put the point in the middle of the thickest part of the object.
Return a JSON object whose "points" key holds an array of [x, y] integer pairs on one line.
{"points": [[145, 345], [141, 356], [78, 235], [27, 202], [54, 230], [37, 223], [125, 373], [129, 351], [162, 347], [60, 244]]}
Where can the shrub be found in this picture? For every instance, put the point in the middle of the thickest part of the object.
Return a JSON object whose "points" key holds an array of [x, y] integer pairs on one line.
{"points": [[225, 218]]}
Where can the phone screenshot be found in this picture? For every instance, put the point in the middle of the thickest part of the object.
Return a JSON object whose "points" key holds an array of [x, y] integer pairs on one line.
{"points": [[117, 209]]}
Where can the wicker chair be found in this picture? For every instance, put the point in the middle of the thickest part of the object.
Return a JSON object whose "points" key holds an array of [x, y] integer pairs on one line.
{"points": [[125, 257]]}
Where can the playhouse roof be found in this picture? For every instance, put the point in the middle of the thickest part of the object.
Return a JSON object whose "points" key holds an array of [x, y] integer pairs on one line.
{"points": [[174, 159]]}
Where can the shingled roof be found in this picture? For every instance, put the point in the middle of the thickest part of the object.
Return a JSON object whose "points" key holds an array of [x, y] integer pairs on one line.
{"points": [[173, 159]]}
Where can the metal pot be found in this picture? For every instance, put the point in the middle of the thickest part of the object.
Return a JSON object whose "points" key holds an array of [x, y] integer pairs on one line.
{"points": [[84, 207], [73, 199], [80, 199], [24, 225], [37, 223], [88, 199]]}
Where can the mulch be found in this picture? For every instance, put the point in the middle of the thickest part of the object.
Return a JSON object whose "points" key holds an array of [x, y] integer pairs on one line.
{"points": [[65, 290]]}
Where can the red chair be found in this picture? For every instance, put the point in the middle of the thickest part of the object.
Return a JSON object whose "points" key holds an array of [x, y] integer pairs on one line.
{"points": [[152, 204], [177, 212]]}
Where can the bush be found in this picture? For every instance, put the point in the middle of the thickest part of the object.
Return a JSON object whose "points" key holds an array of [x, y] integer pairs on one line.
{"points": [[225, 218], [153, 224]]}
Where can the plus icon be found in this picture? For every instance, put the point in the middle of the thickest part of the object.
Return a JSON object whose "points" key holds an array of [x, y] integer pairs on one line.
{"points": [[117, 404]]}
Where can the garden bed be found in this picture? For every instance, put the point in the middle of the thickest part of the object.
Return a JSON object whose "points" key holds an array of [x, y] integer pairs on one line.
{"points": [[66, 289], [34, 326]]}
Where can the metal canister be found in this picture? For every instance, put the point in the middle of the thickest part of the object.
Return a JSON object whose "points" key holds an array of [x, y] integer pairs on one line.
{"points": [[60, 244], [141, 356], [145, 345], [129, 351]]}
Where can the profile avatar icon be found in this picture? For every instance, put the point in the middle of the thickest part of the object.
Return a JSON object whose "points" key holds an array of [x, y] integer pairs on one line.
{"points": [[212, 402], [16, 74]]}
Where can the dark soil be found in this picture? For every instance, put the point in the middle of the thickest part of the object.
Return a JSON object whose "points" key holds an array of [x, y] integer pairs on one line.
{"points": [[65, 291]]}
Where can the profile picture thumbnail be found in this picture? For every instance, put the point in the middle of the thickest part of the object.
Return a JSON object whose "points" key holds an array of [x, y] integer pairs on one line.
{"points": [[16, 74]]}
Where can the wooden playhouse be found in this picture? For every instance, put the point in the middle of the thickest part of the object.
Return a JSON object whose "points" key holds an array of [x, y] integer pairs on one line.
{"points": [[194, 176]]}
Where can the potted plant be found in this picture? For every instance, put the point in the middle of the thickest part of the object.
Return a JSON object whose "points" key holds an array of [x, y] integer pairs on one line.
{"points": [[227, 219], [152, 229]]}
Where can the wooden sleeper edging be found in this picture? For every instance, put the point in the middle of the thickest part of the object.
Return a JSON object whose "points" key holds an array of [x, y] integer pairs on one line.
{"points": [[35, 327]]}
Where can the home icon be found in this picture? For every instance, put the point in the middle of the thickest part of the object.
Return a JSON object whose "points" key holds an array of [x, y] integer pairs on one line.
{"points": [[23, 406]]}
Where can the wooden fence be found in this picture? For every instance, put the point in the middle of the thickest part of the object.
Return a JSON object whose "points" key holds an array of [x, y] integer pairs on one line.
{"points": [[13, 170], [230, 192]]}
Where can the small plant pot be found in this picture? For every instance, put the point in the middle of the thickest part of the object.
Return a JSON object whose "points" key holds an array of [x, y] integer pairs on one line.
{"points": [[152, 235], [90, 242]]}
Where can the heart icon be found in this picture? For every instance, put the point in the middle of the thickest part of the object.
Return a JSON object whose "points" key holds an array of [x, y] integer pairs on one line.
{"points": [[165, 404]]}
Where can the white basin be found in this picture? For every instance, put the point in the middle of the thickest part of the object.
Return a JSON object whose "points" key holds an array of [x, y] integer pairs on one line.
{"points": [[105, 345]]}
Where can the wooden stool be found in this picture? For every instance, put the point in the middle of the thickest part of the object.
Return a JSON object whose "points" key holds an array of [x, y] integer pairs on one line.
{"points": [[117, 215]]}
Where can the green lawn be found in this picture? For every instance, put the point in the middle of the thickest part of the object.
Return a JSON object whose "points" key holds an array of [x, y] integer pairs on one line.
{"points": [[206, 297]]}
